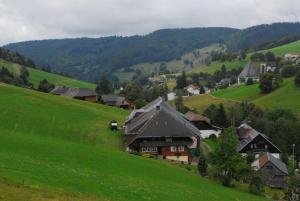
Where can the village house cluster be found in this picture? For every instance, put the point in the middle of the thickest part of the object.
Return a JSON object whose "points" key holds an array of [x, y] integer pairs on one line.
{"points": [[159, 130], [91, 96]]}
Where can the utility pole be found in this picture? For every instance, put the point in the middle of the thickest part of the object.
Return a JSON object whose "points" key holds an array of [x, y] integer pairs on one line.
{"points": [[293, 157]]}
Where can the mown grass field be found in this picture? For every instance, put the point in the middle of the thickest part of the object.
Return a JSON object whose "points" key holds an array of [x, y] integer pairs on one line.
{"points": [[38, 75], [51, 142], [201, 102], [287, 96]]}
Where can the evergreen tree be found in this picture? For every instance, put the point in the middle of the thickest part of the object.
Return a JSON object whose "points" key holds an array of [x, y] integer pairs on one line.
{"points": [[179, 102], [220, 117], [202, 165], [181, 81], [202, 90], [45, 86], [104, 86]]}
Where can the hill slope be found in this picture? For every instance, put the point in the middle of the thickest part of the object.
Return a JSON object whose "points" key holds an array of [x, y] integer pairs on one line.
{"points": [[287, 96], [35, 76], [55, 142], [87, 58]]}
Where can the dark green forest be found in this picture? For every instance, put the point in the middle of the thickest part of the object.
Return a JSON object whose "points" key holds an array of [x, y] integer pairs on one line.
{"points": [[88, 58]]}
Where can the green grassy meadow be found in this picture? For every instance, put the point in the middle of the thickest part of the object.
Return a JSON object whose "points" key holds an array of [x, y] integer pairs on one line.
{"points": [[287, 96], [55, 143], [38, 75]]}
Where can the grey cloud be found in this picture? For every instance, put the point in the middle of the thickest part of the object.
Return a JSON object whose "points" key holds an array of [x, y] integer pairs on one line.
{"points": [[41, 19]]}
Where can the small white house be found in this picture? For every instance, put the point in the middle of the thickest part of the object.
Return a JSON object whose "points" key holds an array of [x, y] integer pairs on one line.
{"points": [[192, 90], [171, 96]]}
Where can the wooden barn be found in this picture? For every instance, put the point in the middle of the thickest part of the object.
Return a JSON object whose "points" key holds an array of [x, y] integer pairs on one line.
{"points": [[159, 130], [76, 93], [273, 171]]}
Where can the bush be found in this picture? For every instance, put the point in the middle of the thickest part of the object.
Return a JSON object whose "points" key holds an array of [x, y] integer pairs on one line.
{"points": [[269, 81], [45, 86], [297, 79], [249, 81], [212, 137], [256, 185], [288, 71], [202, 165]]}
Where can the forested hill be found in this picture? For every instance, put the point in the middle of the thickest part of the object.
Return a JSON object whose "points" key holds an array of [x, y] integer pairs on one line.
{"points": [[87, 58], [257, 35]]}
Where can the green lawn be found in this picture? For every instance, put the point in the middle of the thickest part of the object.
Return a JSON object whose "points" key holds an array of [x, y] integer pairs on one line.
{"points": [[293, 48], [214, 66], [58, 143], [37, 75], [287, 96], [201, 102]]}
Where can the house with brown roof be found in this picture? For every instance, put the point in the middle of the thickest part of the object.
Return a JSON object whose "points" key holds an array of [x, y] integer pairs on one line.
{"points": [[273, 171], [161, 131], [252, 141], [203, 123], [76, 93]]}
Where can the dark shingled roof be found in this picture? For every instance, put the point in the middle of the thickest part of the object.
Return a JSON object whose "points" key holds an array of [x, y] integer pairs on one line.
{"points": [[268, 157], [79, 93], [246, 134], [250, 70], [73, 92], [116, 100], [196, 117], [159, 119], [59, 90]]}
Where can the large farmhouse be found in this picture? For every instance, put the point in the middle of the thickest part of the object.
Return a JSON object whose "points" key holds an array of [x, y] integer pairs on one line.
{"points": [[273, 171], [159, 130], [253, 70], [76, 93], [252, 141]]}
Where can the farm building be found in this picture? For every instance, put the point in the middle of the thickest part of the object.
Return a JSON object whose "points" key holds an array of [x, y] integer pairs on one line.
{"points": [[76, 93], [117, 101], [252, 141], [203, 124], [192, 90], [254, 69], [159, 130], [295, 58], [273, 171]]}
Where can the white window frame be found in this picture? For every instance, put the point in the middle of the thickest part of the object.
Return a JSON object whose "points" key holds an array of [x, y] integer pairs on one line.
{"points": [[173, 148], [148, 149], [181, 148]]}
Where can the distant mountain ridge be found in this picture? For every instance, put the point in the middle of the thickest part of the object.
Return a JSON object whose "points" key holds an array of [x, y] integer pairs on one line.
{"points": [[87, 58]]}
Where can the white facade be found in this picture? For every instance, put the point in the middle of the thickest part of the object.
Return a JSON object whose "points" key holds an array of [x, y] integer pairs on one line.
{"points": [[171, 96], [192, 91], [206, 133]]}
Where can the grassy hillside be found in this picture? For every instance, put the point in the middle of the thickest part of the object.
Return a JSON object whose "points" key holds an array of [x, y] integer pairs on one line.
{"points": [[293, 48], [59, 143], [37, 75], [10, 191], [201, 102], [287, 96]]}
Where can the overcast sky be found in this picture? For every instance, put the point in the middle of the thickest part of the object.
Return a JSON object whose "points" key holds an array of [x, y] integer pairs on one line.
{"points": [[42, 19]]}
